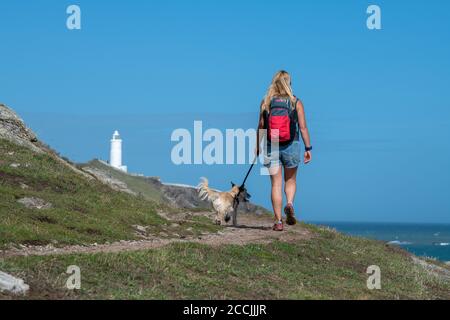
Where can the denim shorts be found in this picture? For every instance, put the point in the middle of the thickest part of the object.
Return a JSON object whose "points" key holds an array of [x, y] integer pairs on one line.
{"points": [[288, 156]]}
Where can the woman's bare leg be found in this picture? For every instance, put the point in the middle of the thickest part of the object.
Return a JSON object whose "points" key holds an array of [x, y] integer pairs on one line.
{"points": [[290, 184], [277, 195]]}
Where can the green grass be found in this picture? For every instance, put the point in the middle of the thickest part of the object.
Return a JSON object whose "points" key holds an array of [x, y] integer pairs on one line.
{"points": [[139, 185], [84, 211], [329, 266]]}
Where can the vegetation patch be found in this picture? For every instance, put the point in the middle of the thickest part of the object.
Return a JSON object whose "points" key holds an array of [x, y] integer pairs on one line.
{"points": [[82, 211], [328, 266]]}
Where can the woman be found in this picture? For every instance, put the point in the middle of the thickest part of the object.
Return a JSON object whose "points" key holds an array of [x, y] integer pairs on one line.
{"points": [[283, 118]]}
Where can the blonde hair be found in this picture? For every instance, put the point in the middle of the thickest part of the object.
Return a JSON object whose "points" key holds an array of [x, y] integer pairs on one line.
{"points": [[280, 87]]}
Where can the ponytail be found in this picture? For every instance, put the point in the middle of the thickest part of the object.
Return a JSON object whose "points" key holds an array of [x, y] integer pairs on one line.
{"points": [[280, 86]]}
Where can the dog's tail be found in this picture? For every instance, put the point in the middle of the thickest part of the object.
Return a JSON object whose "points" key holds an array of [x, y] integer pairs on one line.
{"points": [[204, 192]]}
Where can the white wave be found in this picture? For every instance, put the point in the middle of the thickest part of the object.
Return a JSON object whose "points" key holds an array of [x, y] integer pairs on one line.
{"points": [[442, 244], [399, 243]]}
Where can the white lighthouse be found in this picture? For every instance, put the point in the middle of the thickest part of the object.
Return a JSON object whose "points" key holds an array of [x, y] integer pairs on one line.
{"points": [[116, 152]]}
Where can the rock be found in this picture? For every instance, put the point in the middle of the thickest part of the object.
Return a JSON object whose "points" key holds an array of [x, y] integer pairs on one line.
{"points": [[14, 165], [440, 272], [140, 228], [35, 203], [12, 285], [13, 128], [24, 186], [109, 180]]}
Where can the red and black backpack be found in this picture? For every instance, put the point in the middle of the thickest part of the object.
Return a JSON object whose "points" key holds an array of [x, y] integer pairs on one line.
{"points": [[281, 121]]}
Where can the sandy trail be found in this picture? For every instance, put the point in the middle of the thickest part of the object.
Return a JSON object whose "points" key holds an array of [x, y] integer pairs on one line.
{"points": [[249, 230]]}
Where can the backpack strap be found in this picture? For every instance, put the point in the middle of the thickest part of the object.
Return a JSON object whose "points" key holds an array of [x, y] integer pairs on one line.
{"points": [[295, 102], [266, 119], [294, 116], [294, 108]]}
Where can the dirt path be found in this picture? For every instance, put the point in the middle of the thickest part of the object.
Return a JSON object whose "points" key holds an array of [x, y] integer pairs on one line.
{"points": [[249, 230]]}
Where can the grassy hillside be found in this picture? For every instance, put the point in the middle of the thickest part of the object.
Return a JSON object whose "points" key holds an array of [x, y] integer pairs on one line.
{"points": [[153, 189], [265, 265], [328, 266], [139, 185], [82, 210]]}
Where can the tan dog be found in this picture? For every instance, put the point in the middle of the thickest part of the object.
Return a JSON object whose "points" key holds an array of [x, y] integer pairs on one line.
{"points": [[223, 202]]}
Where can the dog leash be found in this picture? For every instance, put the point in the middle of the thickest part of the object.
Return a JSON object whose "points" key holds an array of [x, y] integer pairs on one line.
{"points": [[236, 198], [248, 172]]}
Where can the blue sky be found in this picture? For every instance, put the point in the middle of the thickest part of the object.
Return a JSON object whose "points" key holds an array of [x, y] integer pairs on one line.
{"points": [[377, 102]]}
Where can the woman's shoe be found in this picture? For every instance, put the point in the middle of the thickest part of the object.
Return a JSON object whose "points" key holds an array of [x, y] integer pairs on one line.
{"points": [[278, 227], [290, 214]]}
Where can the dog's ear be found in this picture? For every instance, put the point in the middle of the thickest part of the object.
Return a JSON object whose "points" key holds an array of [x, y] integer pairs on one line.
{"points": [[232, 184]]}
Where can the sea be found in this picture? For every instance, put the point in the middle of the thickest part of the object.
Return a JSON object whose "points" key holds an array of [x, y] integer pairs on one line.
{"points": [[427, 240]]}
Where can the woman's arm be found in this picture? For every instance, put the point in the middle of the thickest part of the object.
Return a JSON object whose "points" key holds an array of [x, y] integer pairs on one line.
{"points": [[303, 129]]}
